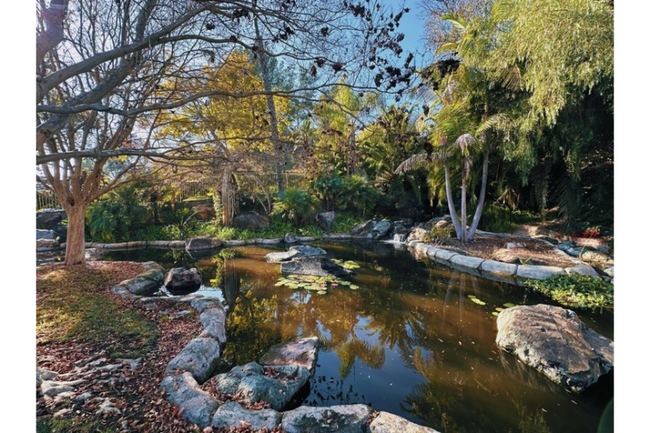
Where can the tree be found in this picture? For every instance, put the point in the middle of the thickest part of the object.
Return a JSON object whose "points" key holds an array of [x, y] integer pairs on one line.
{"points": [[100, 86]]}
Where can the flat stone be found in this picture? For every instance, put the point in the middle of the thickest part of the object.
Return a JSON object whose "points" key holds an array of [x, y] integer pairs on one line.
{"points": [[445, 255], [466, 262], [51, 388], [198, 406], [202, 243], [146, 283], [538, 272], [158, 244], [610, 271], [513, 245], [176, 244], [554, 341], [272, 241], [214, 315], [582, 269], [388, 423], [321, 267], [296, 251], [350, 418], [233, 415], [234, 243], [45, 234], [250, 385], [216, 331], [499, 268], [107, 407], [202, 304], [199, 358], [306, 238], [302, 352], [337, 236]]}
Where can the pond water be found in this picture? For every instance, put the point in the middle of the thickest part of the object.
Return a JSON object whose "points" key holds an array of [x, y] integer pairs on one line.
{"points": [[409, 340]]}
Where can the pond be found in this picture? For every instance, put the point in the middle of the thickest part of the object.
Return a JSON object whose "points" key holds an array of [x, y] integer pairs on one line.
{"points": [[410, 340]]}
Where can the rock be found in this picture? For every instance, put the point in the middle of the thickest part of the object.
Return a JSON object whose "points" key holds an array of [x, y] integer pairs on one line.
{"points": [[199, 358], [216, 331], [233, 415], [582, 269], [250, 384], [133, 364], [83, 397], [506, 256], [235, 243], [50, 388], [271, 241], [321, 267], [538, 272], [44, 374], [399, 228], [45, 234], [251, 221], [350, 418], [213, 321], [441, 224], [466, 262], [183, 280], [182, 390], [107, 407], [609, 271], [146, 283], [554, 341], [202, 304], [417, 234], [204, 212], [499, 268], [296, 251], [513, 245], [301, 351], [362, 229], [381, 229], [326, 220], [49, 219], [444, 255], [595, 256], [202, 243], [290, 238], [565, 246], [388, 423]]}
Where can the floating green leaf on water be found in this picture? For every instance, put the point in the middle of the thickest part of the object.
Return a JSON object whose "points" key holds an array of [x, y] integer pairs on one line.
{"points": [[509, 305], [495, 314], [477, 301], [471, 296], [322, 292], [353, 287], [347, 264], [499, 309]]}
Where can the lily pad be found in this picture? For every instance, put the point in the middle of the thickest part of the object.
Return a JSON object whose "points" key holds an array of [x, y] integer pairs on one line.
{"points": [[495, 314], [477, 301], [509, 305], [322, 292]]}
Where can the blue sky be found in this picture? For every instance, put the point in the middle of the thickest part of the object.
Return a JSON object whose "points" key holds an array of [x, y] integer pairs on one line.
{"points": [[412, 25]]}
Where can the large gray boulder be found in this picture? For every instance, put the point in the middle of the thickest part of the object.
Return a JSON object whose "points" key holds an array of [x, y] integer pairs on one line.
{"points": [[49, 219], [363, 229], [199, 357], [251, 221], [251, 383], [582, 269], [201, 243], [381, 230], [388, 423], [301, 351], [146, 283], [350, 418], [233, 415], [294, 252], [45, 234], [538, 272], [183, 390], [326, 220], [318, 266], [554, 341], [182, 279]]}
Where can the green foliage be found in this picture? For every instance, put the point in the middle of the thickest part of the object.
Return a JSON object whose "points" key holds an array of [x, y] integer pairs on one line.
{"points": [[112, 218], [63, 425], [328, 187], [351, 193], [500, 219], [344, 222], [576, 291], [296, 205], [439, 234]]}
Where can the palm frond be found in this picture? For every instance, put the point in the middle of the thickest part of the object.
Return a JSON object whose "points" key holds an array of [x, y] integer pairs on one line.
{"points": [[512, 79], [412, 163], [465, 142], [497, 122]]}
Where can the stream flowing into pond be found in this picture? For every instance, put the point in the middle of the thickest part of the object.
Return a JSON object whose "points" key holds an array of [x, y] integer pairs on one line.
{"points": [[410, 340]]}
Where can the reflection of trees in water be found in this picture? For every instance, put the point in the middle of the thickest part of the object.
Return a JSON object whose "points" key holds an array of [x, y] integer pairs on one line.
{"points": [[230, 283]]}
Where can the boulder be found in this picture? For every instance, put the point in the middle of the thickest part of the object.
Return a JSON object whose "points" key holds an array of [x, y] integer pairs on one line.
{"points": [[319, 266], [182, 390], [555, 342], [514, 245], [498, 268], [202, 243], [145, 284], [326, 220], [199, 358], [609, 271], [290, 238], [45, 235], [351, 418], [251, 383], [204, 212], [233, 415], [49, 219], [202, 304], [363, 229], [399, 228], [417, 234], [582, 269], [294, 252], [381, 230], [388, 423], [251, 221], [301, 351], [538, 272], [183, 280], [462, 262], [440, 225]]}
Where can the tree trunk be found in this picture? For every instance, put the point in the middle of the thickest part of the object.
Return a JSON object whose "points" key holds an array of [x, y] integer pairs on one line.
{"points": [[270, 105], [450, 203], [463, 208], [53, 18], [228, 196], [481, 198], [75, 244]]}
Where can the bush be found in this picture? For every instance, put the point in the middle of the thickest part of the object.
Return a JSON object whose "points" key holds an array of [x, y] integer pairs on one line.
{"points": [[439, 234], [576, 291], [358, 195], [296, 205], [114, 217], [500, 219]]}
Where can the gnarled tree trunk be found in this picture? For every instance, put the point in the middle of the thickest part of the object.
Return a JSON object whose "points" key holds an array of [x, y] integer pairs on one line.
{"points": [[75, 243]]}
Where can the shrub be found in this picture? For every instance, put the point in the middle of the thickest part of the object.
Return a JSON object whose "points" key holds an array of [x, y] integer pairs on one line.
{"points": [[576, 291], [328, 187], [500, 219], [358, 195], [116, 215], [439, 234], [296, 205]]}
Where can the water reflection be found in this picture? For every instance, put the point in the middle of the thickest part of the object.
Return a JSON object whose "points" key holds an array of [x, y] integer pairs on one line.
{"points": [[409, 341]]}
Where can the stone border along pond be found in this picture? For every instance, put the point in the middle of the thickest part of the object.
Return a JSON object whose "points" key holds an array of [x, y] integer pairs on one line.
{"points": [[281, 374]]}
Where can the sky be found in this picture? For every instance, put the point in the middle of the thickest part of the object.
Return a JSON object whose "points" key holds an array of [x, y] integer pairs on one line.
{"points": [[412, 25]]}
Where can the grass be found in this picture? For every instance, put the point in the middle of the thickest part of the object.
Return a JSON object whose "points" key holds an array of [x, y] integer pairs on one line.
{"points": [[73, 305], [66, 425], [576, 291]]}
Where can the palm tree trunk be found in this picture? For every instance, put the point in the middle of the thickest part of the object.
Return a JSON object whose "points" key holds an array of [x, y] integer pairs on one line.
{"points": [[463, 207], [450, 203], [481, 198]]}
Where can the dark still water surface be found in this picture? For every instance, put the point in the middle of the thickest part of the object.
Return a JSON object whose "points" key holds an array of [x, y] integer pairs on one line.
{"points": [[410, 340]]}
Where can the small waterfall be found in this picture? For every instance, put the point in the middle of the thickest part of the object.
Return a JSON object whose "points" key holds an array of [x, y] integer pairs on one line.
{"points": [[399, 239]]}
